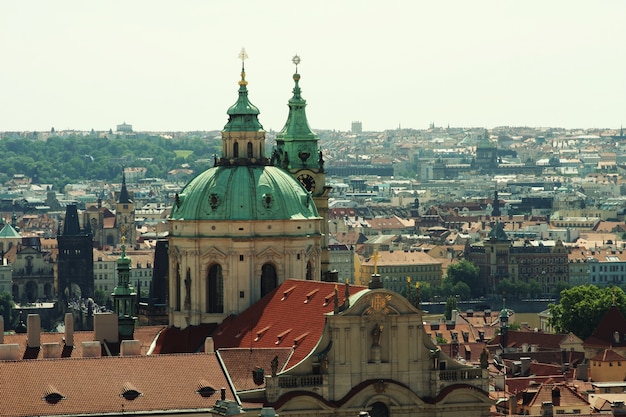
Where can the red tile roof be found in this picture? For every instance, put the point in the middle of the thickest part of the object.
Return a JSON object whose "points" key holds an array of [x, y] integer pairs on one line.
{"points": [[543, 340], [95, 386], [608, 355], [604, 334], [145, 334], [241, 362], [189, 340], [290, 316]]}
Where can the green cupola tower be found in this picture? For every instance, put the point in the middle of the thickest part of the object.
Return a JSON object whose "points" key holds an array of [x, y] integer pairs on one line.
{"points": [[297, 151], [124, 297]]}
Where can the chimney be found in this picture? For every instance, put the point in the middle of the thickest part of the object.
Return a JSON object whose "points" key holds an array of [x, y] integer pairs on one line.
{"points": [[105, 327], [69, 329], [10, 352], [453, 315], [525, 371], [223, 394], [209, 345], [130, 348], [582, 372], [51, 350], [33, 326], [91, 349]]}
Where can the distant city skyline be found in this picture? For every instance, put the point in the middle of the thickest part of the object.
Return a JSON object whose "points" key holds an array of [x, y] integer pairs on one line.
{"points": [[164, 66]]}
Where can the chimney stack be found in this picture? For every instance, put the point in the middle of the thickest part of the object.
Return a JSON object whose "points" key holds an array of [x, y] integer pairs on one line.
{"points": [[209, 345], [91, 349], [130, 348], [51, 350], [10, 352], [69, 329], [33, 326]]}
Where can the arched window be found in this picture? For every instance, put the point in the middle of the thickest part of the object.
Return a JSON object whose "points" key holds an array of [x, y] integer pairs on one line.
{"points": [[309, 271], [379, 409], [269, 279], [31, 291], [249, 149], [236, 150], [215, 290], [177, 289]]}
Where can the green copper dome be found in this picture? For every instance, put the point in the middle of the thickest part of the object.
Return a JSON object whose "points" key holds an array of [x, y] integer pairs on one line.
{"points": [[243, 193]]}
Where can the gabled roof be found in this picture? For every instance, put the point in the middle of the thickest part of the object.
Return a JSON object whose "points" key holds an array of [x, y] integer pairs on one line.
{"points": [[613, 323], [9, 232], [239, 363], [543, 340], [111, 385], [546, 393], [291, 316], [608, 355]]}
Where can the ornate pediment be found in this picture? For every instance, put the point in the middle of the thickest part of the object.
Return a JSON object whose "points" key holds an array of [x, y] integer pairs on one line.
{"points": [[269, 254], [214, 254]]}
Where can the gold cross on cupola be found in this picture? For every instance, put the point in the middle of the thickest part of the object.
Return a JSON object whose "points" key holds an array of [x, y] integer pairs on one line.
{"points": [[243, 55]]}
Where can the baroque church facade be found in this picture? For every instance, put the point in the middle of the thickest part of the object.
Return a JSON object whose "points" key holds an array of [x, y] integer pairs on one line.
{"points": [[243, 226]]}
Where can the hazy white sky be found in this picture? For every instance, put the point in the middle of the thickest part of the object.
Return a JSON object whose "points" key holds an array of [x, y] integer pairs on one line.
{"points": [[166, 65]]}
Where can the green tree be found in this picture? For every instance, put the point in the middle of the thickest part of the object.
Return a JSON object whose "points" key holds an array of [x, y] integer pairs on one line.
{"points": [[582, 307], [6, 309], [466, 272], [451, 304], [462, 290], [100, 297]]}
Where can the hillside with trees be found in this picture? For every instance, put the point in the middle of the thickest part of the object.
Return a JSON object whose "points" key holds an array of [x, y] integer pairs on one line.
{"points": [[61, 160]]}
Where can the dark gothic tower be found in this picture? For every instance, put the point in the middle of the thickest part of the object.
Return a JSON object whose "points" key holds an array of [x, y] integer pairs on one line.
{"points": [[496, 205], [75, 260], [125, 215]]}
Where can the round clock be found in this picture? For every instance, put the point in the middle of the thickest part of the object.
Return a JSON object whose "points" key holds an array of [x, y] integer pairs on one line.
{"points": [[307, 182]]}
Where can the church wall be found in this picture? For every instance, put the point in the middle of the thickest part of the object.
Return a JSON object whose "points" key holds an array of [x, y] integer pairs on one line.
{"points": [[241, 248]]}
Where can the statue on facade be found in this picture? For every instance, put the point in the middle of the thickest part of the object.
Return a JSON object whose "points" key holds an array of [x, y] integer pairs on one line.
{"points": [[376, 333], [274, 365]]}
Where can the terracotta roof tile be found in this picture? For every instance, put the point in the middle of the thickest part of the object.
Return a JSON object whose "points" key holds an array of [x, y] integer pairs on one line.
{"points": [[145, 334], [95, 386], [241, 362], [608, 355], [269, 323]]}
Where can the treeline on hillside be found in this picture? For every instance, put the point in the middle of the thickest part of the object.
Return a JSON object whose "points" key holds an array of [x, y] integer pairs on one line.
{"points": [[61, 160]]}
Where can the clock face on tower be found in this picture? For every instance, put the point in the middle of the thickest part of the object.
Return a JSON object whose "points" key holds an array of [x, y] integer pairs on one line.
{"points": [[307, 182]]}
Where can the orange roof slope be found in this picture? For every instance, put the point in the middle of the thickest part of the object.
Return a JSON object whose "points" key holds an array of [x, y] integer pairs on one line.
{"points": [[290, 316], [97, 386], [241, 362]]}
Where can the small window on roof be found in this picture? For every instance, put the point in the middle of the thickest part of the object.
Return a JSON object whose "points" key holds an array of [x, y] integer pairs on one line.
{"points": [[205, 390], [52, 395], [129, 392]]}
